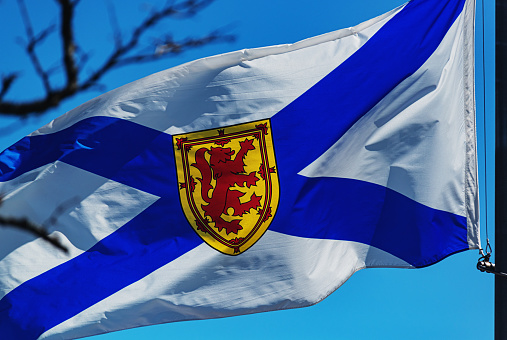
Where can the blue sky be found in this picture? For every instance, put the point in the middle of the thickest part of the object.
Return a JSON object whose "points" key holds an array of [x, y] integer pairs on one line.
{"points": [[446, 301]]}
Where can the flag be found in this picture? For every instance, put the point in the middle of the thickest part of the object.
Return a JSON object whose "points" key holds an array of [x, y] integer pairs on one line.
{"points": [[251, 181]]}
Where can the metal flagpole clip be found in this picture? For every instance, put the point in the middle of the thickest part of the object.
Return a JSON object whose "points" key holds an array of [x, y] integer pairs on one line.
{"points": [[483, 263]]}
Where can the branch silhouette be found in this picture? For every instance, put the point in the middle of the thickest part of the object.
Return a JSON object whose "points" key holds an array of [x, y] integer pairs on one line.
{"points": [[126, 51], [33, 229]]}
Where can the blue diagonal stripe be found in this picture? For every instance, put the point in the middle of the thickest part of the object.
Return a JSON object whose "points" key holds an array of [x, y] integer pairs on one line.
{"points": [[370, 214], [315, 121], [113, 148], [138, 248]]}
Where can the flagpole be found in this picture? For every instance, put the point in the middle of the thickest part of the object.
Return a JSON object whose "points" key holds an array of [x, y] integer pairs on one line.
{"points": [[501, 171]]}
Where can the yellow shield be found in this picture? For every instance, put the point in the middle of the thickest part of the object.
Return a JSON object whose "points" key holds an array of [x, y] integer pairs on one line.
{"points": [[228, 183]]}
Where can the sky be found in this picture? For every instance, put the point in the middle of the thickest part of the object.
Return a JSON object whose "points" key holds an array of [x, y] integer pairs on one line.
{"points": [[448, 300]]}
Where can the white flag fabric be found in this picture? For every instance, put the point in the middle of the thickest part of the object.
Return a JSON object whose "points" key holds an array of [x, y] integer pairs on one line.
{"points": [[251, 181]]}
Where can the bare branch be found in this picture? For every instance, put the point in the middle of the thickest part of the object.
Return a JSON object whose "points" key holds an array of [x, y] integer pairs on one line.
{"points": [[32, 228], [170, 46], [6, 83], [32, 42], [43, 35], [114, 25], [38, 106], [69, 48], [26, 19], [126, 52]]}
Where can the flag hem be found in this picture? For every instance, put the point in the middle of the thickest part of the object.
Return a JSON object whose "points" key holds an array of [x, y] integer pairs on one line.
{"points": [[471, 175]]}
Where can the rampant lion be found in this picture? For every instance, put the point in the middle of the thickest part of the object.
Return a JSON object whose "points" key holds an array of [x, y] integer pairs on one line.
{"points": [[227, 172]]}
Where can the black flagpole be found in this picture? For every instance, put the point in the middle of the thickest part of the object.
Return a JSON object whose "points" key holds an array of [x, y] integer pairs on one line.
{"points": [[501, 170]]}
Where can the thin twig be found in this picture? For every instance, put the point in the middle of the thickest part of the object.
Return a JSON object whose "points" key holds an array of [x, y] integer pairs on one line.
{"points": [[32, 43], [6, 84], [25, 225], [68, 44]]}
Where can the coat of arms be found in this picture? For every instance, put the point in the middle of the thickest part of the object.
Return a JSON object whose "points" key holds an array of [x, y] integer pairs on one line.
{"points": [[228, 183]]}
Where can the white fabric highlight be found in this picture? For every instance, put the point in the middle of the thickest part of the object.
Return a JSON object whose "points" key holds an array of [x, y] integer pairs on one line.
{"points": [[471, 174], [285, 271], [423, 114]]}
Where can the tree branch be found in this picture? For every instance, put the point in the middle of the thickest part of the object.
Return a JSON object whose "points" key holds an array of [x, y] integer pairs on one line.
{"points": [[114, 25], [6, 84], [69, 48], [169, 46], [39, 230], [123, 54], [25, 225], [32, 43]]}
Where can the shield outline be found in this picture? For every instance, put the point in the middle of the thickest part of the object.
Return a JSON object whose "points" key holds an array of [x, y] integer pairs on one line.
{"points": [[183, 143]]}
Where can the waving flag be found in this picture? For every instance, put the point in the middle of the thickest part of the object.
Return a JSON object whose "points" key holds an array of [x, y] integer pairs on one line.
{"points": [[246, 182]]}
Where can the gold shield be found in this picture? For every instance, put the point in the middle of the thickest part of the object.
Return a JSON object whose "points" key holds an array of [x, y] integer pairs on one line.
{"points": [[228, 183]]}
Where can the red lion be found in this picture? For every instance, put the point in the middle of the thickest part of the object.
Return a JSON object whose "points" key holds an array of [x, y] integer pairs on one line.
{"points": [[227, 172]]}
